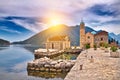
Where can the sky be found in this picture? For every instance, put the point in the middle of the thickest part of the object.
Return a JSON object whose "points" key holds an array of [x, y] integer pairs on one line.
{"points": [[20, 19]]}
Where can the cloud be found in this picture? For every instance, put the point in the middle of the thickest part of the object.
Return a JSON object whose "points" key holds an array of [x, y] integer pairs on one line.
{"points": [[94, 12], [103, 10], [32, 26], [110, 28], [20, 67], [4, 28], [42, 7]]}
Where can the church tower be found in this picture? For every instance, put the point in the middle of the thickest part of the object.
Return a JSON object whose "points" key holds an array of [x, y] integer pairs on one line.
{"points": [[82, 34]]}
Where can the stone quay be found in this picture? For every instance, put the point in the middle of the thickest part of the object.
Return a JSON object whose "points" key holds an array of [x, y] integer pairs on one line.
{"points": [[96, 65]]}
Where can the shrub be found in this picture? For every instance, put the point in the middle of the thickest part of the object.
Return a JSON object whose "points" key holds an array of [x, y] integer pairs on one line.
{"points": [[101, 44], [105, 45], [87, 46], [113, 49]]}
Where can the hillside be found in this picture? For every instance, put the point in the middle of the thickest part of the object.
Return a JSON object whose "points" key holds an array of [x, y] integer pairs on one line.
{"points": [[40, 38], [4, 42], [114, 36]]}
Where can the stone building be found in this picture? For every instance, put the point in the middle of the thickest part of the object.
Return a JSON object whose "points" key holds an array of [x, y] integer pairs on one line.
{"points": [[92, 38], [100, 38], [58, 42]]}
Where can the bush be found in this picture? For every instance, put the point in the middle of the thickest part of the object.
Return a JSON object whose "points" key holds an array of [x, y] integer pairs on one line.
{"points": [[87, 46], [101, 44], [113, 49], [105, 45]]}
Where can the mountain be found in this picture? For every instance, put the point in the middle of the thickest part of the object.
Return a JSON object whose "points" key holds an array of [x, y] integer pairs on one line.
{"points": [[114, 36], [4, 42], [40, 38]]}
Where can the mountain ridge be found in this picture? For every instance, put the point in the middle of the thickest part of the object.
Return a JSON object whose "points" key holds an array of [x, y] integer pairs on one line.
{"points": [[41, 37], [4, 42], [73, 32]]}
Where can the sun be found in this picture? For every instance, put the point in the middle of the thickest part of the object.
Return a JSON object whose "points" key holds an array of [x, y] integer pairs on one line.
{"points": [[54, 19], [54, 22]]}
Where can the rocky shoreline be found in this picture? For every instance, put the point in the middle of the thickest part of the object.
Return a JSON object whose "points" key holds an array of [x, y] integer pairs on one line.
{"points": [[49, 65]]}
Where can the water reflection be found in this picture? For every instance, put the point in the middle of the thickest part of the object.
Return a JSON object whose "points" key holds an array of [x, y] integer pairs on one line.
{"points": [[3, 48], [68, 56], [47, 75], [13, 64]]}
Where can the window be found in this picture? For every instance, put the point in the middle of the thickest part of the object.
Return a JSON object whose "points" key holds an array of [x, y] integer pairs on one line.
{"points": [[52, 46], [88, 37], [101, 39]]}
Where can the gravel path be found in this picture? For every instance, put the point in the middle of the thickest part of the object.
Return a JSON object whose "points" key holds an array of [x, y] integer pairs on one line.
{"points": [[103, 66]]}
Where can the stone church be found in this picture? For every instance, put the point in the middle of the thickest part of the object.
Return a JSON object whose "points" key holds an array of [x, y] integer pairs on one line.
{"points": [[59, 42], [92, 38]]}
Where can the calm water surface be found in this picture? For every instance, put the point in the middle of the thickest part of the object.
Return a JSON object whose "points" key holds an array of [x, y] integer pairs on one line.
{"points": [[13, 63]]}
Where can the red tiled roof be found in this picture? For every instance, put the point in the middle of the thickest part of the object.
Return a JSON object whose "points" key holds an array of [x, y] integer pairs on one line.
{"points": [[58, 38], [102, 33]]}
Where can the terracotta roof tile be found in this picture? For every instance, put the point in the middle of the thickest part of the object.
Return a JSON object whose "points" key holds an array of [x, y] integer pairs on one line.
{"points": [[58, 38]]}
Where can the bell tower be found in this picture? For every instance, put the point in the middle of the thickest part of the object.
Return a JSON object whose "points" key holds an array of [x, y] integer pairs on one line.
{"points": [[82, 34]]}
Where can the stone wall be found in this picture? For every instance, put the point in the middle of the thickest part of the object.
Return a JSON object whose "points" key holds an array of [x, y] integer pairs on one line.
{"points": [[47, 64], [90, 39], [60, 45]]}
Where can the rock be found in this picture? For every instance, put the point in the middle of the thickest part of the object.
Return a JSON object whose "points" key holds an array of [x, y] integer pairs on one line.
{"points": [[53, 70], [68, 65], [47, 69], [62, 65], [47, 65], [59, 70], [30, 64], [37, 69], [67, 70], [57, 66], [73, 61], [46, 58], [53, 62], [52, 66], [60, 60], [41, 63], [42, 69], [32, 68]]}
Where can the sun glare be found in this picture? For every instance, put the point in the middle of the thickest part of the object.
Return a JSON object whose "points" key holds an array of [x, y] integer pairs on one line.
{"points": [[54, 18], [54, 22]]}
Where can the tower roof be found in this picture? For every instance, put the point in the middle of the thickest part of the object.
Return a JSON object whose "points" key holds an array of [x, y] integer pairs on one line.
{"points": [[58, 38], [81, 22]]}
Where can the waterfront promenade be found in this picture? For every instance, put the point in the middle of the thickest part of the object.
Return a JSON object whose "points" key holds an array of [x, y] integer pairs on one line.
{"points": [[101, 67]]}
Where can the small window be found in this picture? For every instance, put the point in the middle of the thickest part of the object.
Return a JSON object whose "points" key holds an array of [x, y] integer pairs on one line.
{"points": [[101, 39], [88, 37]]}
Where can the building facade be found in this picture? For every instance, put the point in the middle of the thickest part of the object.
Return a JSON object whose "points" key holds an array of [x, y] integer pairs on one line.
{"points": [[92, 38], [82, 34], [58, 42], [100, 38]]}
